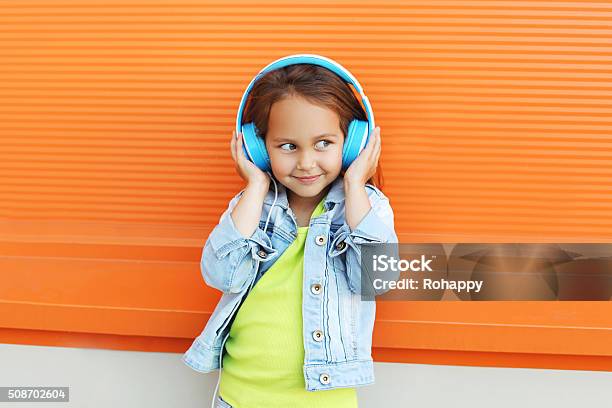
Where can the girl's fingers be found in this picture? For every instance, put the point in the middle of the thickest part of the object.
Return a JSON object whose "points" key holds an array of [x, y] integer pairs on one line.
{"points": [[375, 137], [235, 151], [377, 149], [239, 151], [373, 142]]}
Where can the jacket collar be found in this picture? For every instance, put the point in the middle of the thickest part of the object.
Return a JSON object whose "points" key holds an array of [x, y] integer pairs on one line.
{"points": [[334, 195]]}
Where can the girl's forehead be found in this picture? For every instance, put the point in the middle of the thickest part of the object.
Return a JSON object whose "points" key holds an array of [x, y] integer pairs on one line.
{"points": [[299, 104], [302, 118]]}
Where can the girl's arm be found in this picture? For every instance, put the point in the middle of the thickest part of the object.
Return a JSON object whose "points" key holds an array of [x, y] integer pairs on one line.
{"points": [[375, 218], [357, 203], [247, 212], [368, 217], [365, 223], [230, 257]]}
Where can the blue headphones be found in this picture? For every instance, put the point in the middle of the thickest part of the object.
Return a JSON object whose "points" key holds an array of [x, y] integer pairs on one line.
{"points": [[358, 131]]}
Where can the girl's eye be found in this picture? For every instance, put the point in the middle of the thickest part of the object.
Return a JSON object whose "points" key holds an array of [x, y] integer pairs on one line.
{"points": [[287, 144], [323, 141], [318, 144]]}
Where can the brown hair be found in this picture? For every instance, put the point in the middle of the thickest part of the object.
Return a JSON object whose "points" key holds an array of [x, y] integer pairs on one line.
{"points": [[314, 83]]}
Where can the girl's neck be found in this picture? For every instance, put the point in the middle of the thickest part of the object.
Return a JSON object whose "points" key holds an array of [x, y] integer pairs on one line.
{"points": [[305, 204]]}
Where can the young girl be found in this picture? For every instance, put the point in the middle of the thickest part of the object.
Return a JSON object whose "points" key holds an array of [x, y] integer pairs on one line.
{"points": [[291, 319]]}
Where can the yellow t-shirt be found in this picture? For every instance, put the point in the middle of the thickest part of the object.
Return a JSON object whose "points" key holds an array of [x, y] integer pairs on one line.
{"points": [[263, 363]]}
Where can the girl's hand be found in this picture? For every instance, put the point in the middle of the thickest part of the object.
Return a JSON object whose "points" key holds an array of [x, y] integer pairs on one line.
{"points": [[245, 168], [364, 166]]}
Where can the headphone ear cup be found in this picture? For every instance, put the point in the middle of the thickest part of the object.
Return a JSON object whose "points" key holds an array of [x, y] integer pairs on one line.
{"points": [[254, 147], [355, 141]]}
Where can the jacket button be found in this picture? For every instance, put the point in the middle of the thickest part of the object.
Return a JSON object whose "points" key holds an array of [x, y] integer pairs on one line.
{"points": [[317, 335], [324, 378], [340, 245], [262, 253], [320, 239], [315, 288]]}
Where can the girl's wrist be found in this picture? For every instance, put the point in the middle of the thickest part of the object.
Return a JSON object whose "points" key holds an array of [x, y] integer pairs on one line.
{"points": [[351, 184], [259, 187]]}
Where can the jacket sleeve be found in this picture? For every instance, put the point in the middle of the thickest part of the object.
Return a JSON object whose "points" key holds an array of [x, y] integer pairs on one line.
{"points": [[377, 227], [229, 260]]}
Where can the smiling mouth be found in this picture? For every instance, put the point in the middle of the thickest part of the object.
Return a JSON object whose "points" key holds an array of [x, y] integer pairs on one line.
{"points": [[308, 180]]}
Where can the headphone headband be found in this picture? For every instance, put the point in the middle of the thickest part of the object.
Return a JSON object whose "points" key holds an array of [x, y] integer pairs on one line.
{"points": [[314, 60]]}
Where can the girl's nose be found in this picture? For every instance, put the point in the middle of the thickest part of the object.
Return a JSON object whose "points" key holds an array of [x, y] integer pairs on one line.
{"points": [[305, 161]]}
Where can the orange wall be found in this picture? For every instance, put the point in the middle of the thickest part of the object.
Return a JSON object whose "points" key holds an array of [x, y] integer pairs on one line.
{"points": [[115, 121]]}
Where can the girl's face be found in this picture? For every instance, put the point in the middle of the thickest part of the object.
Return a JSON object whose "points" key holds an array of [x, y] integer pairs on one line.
{"points": [[304, 140]]}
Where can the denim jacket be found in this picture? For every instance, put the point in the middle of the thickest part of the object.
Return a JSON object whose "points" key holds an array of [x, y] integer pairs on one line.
{"points": [[337, 323]]}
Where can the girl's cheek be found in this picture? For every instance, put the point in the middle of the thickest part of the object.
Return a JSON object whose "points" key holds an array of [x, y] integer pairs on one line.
{"points": [[334, 157], [282, 164]]}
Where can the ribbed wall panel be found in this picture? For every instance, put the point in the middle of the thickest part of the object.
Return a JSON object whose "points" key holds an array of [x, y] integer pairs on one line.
{"points": [[115, 121]]}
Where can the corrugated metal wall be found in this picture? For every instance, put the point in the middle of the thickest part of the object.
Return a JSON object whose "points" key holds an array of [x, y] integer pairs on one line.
{"points": [[115, 119]]}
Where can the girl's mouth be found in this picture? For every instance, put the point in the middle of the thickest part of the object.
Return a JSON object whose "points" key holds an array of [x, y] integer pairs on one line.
{"points": [[308, 180]]}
